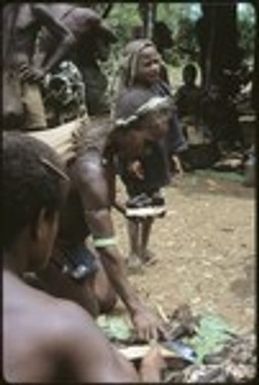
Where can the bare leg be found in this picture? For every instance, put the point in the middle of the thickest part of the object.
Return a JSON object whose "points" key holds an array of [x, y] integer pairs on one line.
{"points": [[60, 285], [95, 294], [103, 290], [146, 255], [134, 243]]}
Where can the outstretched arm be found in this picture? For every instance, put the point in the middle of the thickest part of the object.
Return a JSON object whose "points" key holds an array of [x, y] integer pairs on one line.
{"points": [[90, 180]]}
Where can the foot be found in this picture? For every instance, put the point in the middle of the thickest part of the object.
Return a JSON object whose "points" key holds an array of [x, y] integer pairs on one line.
{"points": [[134, 263], [148, 257]]}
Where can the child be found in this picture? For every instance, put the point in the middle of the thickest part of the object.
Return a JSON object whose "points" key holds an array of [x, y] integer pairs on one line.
{"points": [[188, 97], [67, 345], [140, 88], [188, 100]]}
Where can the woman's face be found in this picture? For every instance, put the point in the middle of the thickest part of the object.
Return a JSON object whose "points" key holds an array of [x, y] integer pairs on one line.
{"points": [[156, 124], [151, 128], [148, 66], [131, 143]]}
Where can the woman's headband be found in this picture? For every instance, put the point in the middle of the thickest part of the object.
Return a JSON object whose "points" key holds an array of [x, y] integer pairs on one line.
{"points": [[155, 103]]}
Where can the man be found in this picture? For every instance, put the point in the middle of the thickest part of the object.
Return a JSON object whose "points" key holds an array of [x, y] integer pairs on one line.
{"points": [[69, 346], [22, 102], [96, 208], [93, 41], [188, 99], [88, 211]]}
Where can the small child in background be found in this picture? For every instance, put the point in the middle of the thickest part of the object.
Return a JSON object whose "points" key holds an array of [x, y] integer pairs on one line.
{"points": [[141, 101], [188, 99]]}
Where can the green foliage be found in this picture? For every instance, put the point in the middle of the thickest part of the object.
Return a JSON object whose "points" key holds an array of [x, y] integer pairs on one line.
{"points": [[115, 327], [246, 29], [123, 17], [211, 336], [181, 18]]}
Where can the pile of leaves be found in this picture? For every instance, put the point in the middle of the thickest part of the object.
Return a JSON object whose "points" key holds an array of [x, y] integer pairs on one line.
{"points": [[220, 353]]}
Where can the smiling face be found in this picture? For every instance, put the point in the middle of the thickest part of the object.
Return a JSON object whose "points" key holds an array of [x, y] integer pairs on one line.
{"points": [[148, 66]]}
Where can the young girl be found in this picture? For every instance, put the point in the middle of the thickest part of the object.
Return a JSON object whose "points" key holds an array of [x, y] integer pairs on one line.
{"points": [[139, 91]]}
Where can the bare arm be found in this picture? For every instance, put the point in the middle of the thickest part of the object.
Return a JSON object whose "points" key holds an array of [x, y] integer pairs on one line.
{"points": [[110, 175], [82, 347], [90, 180], [65, 38], [92, 185]]}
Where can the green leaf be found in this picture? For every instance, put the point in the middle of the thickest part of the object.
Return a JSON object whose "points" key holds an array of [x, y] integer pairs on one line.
{"points": [[115, 327], [211, 336]]}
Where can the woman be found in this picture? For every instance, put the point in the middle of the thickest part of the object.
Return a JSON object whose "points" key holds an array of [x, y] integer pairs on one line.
{"points": [[140, 85]]}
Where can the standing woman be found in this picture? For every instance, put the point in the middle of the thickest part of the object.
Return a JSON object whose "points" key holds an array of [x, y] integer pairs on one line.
{"points": [[140, 87]]}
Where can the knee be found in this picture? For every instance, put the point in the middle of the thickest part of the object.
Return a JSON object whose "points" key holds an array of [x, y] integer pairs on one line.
{"points": [[107, 302]]}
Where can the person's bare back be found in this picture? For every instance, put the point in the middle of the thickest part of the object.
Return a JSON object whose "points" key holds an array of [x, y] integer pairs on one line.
{"points": [[48, 339]]}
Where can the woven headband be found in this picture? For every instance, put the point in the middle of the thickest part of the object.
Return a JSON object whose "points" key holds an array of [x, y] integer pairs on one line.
{"points": [[156, 103]]}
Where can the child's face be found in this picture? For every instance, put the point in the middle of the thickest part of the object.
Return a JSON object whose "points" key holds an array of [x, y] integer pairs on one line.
{"points": [[189, 77], [148, 67]]}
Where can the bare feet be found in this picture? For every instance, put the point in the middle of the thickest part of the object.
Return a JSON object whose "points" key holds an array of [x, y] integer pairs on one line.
{"points": [[134, 264], [148, 257]]}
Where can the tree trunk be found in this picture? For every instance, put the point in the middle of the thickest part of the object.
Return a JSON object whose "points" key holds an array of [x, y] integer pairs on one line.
{"points": [[255, 92], [148, 16], [217, 36]]}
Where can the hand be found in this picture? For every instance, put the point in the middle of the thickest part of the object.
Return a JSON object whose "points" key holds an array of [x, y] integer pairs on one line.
{"points": [[136, 169], [152, 364], [147, 325], [30, 74]]}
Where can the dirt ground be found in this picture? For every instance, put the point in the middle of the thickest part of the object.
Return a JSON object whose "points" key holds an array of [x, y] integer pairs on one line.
{"points": [[204, 247]]}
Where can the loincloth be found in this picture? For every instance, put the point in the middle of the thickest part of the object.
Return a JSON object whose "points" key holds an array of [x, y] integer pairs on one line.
{"points": [[76, 138]]}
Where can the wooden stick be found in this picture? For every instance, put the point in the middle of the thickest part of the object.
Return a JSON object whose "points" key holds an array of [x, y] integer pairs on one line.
{"points": [[136, 352], [162, 314]]}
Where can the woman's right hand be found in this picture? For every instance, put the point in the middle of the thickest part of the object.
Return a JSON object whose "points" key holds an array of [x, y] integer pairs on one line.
{"points": [[135, 168]]}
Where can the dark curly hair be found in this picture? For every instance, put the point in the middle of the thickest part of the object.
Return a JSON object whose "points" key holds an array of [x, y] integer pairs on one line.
{"points": [[32, 180]]}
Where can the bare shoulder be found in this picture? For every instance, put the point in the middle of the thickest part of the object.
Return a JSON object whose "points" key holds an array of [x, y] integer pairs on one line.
{"points": [[63, 331], [78, 340], [62, 313], [70, 325], [68, 314]]}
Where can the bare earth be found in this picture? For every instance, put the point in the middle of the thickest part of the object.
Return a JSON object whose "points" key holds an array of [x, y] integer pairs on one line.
{"points": [[205, 249]]}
